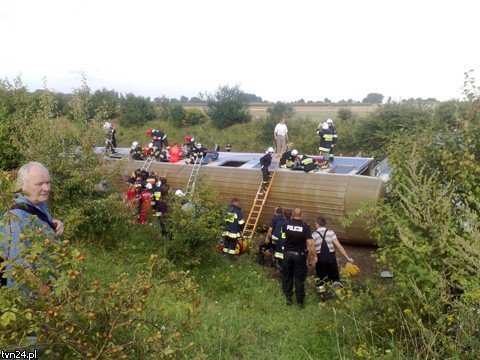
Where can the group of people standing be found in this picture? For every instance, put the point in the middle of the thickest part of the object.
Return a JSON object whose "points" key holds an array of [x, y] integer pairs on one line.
{"points": [[148, 194], [292, 247]]}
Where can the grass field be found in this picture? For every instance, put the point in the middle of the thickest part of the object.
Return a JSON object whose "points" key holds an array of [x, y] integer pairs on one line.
{"points": [[312, 111]]}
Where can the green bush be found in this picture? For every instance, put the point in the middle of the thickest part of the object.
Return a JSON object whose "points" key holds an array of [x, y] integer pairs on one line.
{"points": [[78, 318], [193, 233], [194, 117]]}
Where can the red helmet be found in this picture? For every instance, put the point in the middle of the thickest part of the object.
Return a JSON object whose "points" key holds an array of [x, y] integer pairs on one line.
{"points": [[188, 138], [149, 131], [114, 123]]}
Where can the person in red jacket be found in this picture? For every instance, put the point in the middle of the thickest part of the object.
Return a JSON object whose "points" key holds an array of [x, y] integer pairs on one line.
{"points": [[146, 200], [175, 151]]}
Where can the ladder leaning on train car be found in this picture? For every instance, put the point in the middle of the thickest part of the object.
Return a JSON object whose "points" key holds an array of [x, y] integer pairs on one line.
{"points": [[258, 203], [192, 180], [147, 163]]}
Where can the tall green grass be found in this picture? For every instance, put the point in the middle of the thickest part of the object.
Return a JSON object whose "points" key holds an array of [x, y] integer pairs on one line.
{"points": [[240, 310]]}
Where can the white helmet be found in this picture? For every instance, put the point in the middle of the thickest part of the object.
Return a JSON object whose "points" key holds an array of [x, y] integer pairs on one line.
{"points": [[325, 126], [294, 152], [150, 145], [329, 121], [135, 143], [270, 150], [149, 186], [179, 193], [199, 146]]}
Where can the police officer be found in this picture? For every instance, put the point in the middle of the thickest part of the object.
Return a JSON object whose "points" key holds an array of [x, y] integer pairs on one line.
{"points": [[234, 223], [297, 247]]}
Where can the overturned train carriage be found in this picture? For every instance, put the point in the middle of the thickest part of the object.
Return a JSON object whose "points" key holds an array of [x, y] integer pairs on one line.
{"points": [[335, 193]]}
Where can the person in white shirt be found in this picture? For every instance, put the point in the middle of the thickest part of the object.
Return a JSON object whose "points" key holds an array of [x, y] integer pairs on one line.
{"points": [[281, 136]]}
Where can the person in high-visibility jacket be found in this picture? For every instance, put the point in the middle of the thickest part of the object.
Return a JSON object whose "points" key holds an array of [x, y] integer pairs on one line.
{"points": [[335, 137], [288, 158], [136, 151], [234, 223], [326, 142], [308, 164], [287, 215]]}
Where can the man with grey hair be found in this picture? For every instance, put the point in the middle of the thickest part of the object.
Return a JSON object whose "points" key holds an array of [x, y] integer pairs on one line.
{"points": [[29, 211]]}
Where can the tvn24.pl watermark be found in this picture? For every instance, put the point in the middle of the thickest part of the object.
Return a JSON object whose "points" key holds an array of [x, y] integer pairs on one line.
{"points": [[19, 354]]}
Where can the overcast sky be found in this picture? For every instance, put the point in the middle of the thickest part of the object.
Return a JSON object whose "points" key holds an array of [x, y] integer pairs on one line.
{"points": [[278, 50]]}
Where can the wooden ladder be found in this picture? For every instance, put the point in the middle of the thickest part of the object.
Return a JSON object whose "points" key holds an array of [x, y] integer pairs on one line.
{"points": [[258, 203]]}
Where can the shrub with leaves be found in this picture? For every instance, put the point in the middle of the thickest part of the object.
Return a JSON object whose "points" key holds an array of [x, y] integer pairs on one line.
{"points": [[193, 229], [69, 317], [77, 173]]}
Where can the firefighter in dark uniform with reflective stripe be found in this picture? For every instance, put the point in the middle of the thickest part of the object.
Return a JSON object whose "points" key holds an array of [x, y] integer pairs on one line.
{"points": [[159, 137], [288, 158], [265, 162], [234, 223], [136, 151], [308, 164], [326, 142], [332, 127], [297, 247]]}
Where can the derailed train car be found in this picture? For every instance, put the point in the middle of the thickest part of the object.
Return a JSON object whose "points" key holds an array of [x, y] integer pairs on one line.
{"points": [[335, 193]]}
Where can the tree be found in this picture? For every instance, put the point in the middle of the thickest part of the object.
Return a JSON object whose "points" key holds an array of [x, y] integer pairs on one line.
{"points": [[183, 99], [275, 113], [195, 100], [280, 110], [373, 98], [136, 110], [15, 107], [228, 106], [106, 103]]}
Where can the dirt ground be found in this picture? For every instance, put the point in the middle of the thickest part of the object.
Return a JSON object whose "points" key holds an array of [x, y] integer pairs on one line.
{"points": [[362, 256]]}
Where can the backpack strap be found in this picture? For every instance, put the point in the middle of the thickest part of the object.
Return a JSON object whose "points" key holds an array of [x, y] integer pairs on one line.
{"points": [[34, 211]]}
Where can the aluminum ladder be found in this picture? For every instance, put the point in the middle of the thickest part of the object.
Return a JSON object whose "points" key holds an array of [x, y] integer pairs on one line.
{"points": [[147, 163], [192, 180], [258, 203]]}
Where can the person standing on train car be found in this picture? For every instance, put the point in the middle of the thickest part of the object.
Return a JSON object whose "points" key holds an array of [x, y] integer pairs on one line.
{"points": [[325, 145], [265, 162], [280, 133], [333, 129]]}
